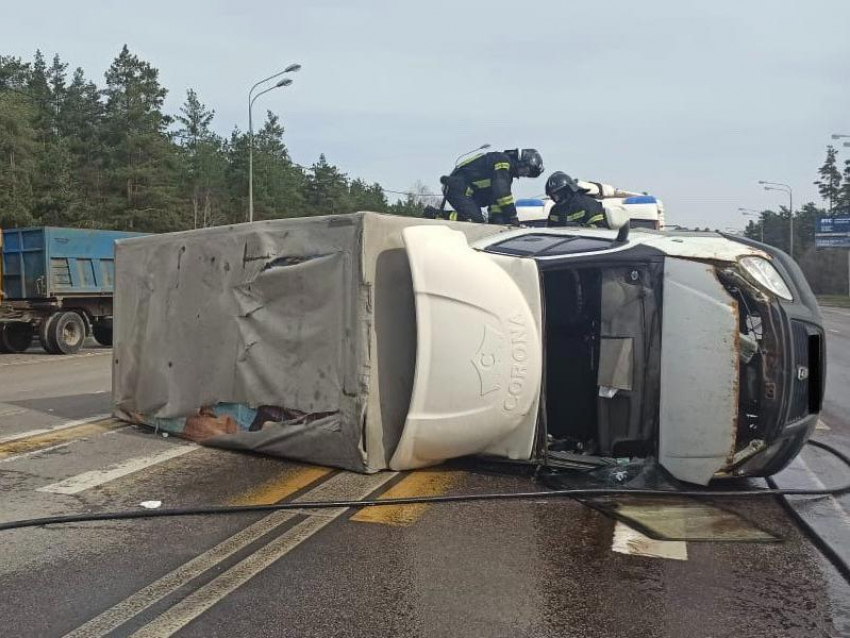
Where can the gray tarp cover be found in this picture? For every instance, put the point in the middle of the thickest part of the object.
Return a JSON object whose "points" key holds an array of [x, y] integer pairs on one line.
{"points": [[292, 337]]}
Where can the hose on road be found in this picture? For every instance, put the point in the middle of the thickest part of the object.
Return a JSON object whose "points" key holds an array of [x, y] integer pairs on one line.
{"points": [[817, 540], [434, 500]]}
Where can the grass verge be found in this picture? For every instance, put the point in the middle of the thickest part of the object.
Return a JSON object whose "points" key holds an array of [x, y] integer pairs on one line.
{"points": [[836, 301]]}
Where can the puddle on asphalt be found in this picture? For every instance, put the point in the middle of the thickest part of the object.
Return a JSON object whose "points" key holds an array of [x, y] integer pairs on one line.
{"points": [[681, 519]]}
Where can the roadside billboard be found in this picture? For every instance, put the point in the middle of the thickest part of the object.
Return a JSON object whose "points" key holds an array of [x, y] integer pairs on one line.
{"points": [[832, 232]]}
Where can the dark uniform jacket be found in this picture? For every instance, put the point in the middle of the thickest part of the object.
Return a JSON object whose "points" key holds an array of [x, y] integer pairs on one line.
{"points": [[579, 210], [486, 179]]}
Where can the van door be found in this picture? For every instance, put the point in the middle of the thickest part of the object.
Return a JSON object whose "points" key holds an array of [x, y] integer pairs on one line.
{"points": [[479, 360], [699, 372]]}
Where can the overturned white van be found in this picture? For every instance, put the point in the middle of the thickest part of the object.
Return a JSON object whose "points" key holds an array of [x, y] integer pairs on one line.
{"points": [[369, 342]]}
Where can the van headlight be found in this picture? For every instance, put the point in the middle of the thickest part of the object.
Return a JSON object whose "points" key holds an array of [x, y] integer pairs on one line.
{"points": [[765, 274]]}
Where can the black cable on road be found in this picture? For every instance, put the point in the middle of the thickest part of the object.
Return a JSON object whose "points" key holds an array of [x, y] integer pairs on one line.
{"points": [[434, 500], [810, 532]]}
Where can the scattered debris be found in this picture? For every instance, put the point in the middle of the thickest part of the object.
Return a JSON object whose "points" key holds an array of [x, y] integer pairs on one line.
{"points": [[629, 541]]}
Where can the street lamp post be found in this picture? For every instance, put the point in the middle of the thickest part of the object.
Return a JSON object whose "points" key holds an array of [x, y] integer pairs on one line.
{"points": [[251, 98], [749, 212], [785, 188]]}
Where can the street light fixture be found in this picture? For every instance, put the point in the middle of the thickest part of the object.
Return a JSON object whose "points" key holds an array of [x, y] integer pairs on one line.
{"points": [[785, 188], [292, 68], [750, 212]]}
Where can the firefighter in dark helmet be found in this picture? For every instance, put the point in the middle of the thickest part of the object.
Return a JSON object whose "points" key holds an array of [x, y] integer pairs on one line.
{"points": [[573, 206], [485, 180]]}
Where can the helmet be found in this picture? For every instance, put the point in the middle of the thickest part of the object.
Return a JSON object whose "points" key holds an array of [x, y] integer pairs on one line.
{"points": [[529, 164], [560, 185]]}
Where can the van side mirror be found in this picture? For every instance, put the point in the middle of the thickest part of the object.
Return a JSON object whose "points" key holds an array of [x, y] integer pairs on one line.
{"points": [[623, 233], [616, 215]]}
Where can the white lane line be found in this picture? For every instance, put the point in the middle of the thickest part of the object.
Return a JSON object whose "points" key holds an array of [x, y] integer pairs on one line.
{"points": [[821, 425], [629, 541], [834, 502], [52, 359], [346, 486], [156, 591], [835, 332], [55, 428], [58, 446], [94, 478]]}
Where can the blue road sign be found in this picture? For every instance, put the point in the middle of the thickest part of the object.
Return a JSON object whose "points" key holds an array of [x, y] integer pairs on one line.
{"points": [[832, 232]]}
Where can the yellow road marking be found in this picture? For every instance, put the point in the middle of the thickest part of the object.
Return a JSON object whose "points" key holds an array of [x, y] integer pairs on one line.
{"points": [[417, 483], [48, 439], [280, 487]]}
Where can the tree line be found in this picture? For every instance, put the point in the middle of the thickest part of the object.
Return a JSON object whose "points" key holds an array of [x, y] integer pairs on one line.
{"points": [[825, 268], [73, 153]]}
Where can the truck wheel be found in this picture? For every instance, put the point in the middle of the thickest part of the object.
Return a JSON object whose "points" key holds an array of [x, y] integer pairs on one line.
{"points": [[16, 336], [67, 333], [44, 329], [102, 334]]}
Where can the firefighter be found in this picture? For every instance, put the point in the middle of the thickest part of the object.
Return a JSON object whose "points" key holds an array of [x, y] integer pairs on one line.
{"points": [[485, 180], [573, 206]]}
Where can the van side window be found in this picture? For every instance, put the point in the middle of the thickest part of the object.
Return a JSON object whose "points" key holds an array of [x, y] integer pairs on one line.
{"points": [[540, 244]]}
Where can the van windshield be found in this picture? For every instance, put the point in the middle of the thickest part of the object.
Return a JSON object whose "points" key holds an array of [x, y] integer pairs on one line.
{"points": [[542, 244]]}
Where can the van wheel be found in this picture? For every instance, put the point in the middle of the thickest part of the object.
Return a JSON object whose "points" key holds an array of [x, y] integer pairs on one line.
{"points": [[102, 334], [44, 329], [67, 333], [16, 336]]}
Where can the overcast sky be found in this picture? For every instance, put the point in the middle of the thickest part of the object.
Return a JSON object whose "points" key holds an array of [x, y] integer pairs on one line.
{"points": [[691, 101]]}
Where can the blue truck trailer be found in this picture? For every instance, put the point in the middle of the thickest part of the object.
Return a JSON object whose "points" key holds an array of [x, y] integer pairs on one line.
{"points": [[57, 286]]}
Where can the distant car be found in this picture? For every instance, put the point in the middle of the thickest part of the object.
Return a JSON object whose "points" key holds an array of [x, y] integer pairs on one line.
{"points": [[702, 350]]}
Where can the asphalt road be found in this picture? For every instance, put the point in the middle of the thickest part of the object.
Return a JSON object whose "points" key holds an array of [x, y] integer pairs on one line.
{"points": [[535, 568]]}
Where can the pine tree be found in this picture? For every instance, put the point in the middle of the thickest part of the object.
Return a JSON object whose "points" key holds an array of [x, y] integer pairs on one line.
{"points": [[236, 176], [775, 228], [53, 179], [203, 161], [278, 184], [14, 73], [79, 123], [326, 188], [805, 221], [18, 148], [140, 159], [829, 182], [363, 196], [842, 203]]}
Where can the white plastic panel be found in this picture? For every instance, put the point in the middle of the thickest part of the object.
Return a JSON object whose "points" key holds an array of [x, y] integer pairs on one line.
{"points": [[699, 372], [479, 356]]}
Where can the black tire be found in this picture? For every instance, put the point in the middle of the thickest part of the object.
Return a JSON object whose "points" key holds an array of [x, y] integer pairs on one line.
{"points": [[2, 347], [16, 336], [102, 334], [67, 333], [44, 329]]}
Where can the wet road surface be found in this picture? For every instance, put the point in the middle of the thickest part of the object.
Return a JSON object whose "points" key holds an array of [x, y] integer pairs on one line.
{"points": [[540, 568]]}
